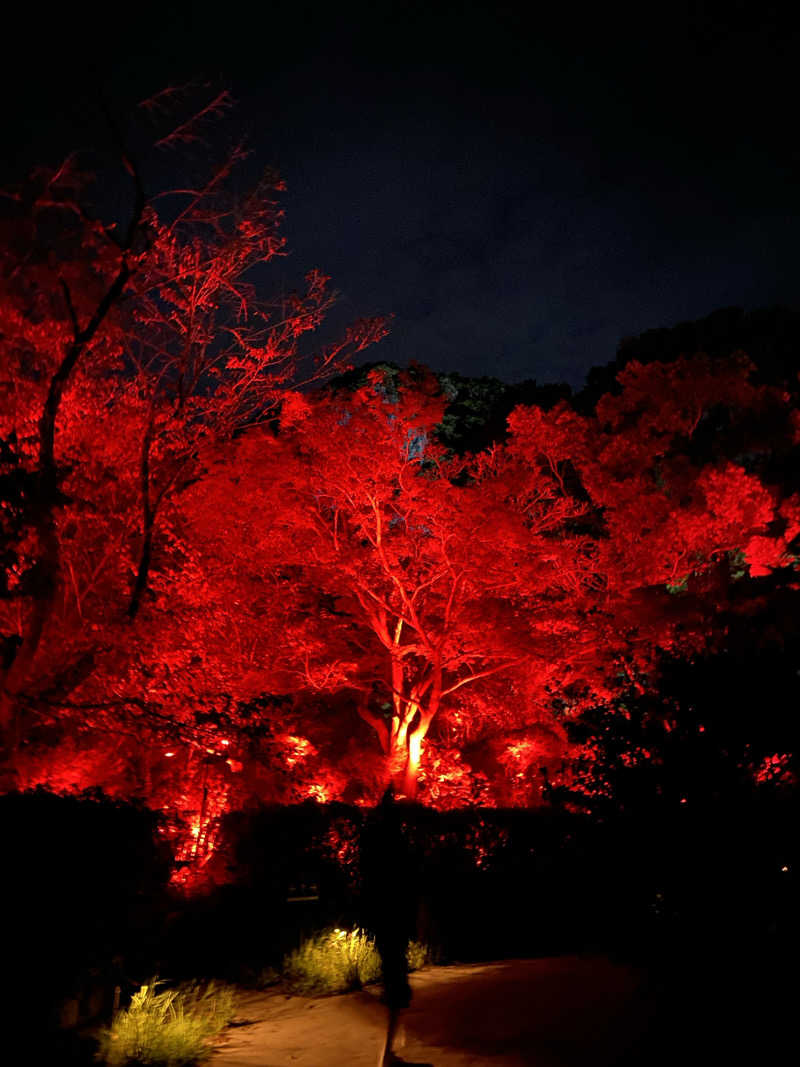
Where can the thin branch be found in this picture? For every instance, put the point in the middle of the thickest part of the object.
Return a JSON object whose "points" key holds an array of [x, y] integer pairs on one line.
{"points": [[483, 674]]}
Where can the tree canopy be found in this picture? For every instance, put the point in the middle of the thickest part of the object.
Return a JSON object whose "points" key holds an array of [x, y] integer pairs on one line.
{"points": [[224, 580]]}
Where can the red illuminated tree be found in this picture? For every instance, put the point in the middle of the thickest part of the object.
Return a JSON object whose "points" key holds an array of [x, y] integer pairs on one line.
{"points": [[126, 346], [411, 578], [693, 466]]}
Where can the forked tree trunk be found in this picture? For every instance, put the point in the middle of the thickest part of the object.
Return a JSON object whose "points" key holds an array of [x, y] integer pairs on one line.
{"points": [[402, 739], [404, 756]]}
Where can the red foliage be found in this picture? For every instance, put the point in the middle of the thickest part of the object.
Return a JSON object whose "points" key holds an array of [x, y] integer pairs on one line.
{"points": [[212, 578]]}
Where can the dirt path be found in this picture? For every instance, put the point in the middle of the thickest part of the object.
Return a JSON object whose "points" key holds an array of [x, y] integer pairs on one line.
{"points": [[562, 1012]]}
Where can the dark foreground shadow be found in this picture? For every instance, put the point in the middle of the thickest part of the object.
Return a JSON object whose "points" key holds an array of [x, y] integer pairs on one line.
{"points": [[590, 1012], [560, 1012]]}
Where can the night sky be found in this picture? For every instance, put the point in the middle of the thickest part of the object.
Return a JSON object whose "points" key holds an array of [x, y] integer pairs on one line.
{"points": [[521, 189]]}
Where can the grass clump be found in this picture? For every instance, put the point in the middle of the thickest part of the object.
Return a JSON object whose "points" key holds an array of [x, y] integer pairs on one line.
{"points": [[334, 961], [338, 961], [417, 955], [170, 1028]]}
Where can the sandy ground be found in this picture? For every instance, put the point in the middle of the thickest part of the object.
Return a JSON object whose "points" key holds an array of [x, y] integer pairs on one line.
{"points": [[557, 1012]]}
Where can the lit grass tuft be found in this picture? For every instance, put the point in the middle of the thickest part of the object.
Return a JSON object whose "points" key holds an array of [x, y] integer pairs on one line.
{"points": [[337, 961], [170, 1028], [417, 955]]}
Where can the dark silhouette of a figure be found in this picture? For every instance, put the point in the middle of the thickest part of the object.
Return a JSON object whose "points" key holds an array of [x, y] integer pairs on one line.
{"points": [[391, 903]]}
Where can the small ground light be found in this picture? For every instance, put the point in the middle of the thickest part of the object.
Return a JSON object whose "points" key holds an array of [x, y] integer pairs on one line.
{"points": [[169, 753], [784, 869]]}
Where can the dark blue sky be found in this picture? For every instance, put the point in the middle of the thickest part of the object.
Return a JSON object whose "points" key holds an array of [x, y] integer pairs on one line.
{"points": [[521, 190]]}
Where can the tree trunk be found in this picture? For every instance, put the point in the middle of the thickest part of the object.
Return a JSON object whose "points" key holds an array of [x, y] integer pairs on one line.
{"points": [[16, 677], [148, 520], [402, 740], [404, 758]]}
